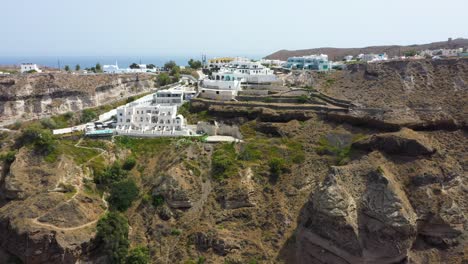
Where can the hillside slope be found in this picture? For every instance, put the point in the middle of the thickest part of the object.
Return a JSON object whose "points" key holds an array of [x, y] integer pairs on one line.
{"points": [[30, 96], [391, 50]]}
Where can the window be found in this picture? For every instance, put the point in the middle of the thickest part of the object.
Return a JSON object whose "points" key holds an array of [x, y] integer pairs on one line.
{"points": [[120, 114], [217, 92], [120, 120]]}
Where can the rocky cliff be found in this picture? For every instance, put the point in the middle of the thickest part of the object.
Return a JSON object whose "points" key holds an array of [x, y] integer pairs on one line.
{"points": [[32, 96], [414, 93]]}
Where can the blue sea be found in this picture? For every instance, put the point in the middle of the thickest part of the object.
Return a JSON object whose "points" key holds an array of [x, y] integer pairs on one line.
{"points": [[90, 61]]}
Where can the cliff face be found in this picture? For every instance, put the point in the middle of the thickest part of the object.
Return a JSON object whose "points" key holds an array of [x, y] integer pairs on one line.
{"points": [[33, 96], [398, 91]]}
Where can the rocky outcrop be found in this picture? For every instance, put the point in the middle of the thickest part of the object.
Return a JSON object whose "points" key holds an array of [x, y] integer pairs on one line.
{"points": [[405, 142], [40, 95], [29, 175], [376, 210], [373, 223], [212, 240], [177, 189]]}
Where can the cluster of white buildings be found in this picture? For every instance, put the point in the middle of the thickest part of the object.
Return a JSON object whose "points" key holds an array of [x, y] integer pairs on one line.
{"points": [[371, 57], [157, 116], [442, 52], [243, 70], [142, 68], [228, 75], [29, 67]]}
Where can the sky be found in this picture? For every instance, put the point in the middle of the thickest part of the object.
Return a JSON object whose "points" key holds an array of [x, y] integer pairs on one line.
{"points": [[220, 27]]}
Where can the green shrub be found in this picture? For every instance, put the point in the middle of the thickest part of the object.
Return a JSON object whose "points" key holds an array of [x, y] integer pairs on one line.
{"points": [[112, 235], [111, 174], [129, 163], [87, 115], [158, 200], [122, 194], [277, 166], [338, 146], [176, 232], [302, 99], [250, 153], [8, 157], [48, 123], [42, 140], [224, 161], [138, 255]]}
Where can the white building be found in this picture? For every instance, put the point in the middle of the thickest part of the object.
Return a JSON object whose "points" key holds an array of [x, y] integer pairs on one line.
{"points": [[222, 86], [315, 62], [27, 67], [114, 68], [155, 115], [170, 97], [243, 69], [152, 120], [371, 57], [275, 63], [348, 58]]}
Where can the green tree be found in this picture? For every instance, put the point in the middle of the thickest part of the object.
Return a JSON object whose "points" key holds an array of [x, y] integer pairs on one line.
{"points": [[410, 53], [194, 64], [112, 234], [123, 194], [163, 79], [129, 163], [170, 65], [111, 174], [67, 68], [150, 66], [138, 255], [41, 139], [98, 67], [134, 66], [77, 67], [175, 72], [87, 115]]}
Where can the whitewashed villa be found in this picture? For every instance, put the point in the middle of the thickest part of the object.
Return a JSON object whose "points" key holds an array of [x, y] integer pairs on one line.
{"points": [[27, 67], [243, 69], [223, 86], [155, 118]]}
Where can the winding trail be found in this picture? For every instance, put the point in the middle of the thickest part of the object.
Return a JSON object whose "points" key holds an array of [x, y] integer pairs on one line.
{"points": [[79, 188]]}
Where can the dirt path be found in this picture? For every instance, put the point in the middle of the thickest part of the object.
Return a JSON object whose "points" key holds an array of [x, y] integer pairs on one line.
{"points": [[79, 188]]}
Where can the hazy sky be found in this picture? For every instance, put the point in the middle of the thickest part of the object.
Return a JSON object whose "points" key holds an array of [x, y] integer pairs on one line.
{"points": [[187, 27]]}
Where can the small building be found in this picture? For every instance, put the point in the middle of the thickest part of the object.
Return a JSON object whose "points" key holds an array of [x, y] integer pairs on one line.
{"points": [[312, 62], [29, 67], [348, 58], [169, 97], [371, 57], [220, 86]]}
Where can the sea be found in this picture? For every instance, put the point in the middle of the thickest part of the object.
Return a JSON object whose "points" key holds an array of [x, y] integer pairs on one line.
{"points": [[90, 61]]}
